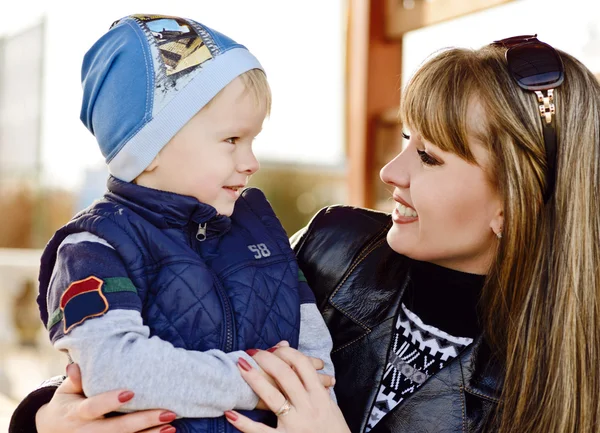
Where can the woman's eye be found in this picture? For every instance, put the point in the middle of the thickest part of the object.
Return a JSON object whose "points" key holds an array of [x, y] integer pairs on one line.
{"points": [[232, 140], [426, 158], [405, 135]]}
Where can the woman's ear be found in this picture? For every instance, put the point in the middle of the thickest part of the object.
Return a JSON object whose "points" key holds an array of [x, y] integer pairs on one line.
{"points": [[497, 223]]}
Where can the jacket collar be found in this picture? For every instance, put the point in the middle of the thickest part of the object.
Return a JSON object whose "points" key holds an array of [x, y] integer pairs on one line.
{"points": [[371, 298], [383, 289], [482, 372], [166, 209]]}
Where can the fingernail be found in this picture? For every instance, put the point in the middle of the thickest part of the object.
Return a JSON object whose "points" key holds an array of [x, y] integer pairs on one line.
{"points": [[244, 364], [251, 352], [332, 381], [167, 416], [68, 368], [272, 349], [125, 396], [168, 429], [231, 416]]}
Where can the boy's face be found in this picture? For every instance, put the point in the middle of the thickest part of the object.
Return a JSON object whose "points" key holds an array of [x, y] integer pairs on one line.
{"points": [[211, 157]]}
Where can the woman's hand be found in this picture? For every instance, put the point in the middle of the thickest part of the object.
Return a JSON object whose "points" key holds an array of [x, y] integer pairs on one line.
{"points": [[318, 364], [69, 411], [310, 406]]}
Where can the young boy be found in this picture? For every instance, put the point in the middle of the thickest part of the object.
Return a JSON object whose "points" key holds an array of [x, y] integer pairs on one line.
{"points": [[163, 284]]}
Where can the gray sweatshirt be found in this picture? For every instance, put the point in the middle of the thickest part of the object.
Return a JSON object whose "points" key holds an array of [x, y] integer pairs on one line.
{"points": [[116, 351]]}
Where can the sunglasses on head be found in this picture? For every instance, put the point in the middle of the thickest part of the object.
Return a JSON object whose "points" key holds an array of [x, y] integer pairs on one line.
{"points": [[537, 67]]}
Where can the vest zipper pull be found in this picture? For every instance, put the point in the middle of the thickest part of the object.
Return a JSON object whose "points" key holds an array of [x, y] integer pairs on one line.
{"points": [[201, 234]]}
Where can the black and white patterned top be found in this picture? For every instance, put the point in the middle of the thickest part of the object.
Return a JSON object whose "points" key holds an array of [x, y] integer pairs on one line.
{"points": [[436, 321]]}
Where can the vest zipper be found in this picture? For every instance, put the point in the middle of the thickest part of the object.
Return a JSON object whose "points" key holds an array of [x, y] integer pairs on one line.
{"points": [[201, 233], [222, 425], [229, 340]]}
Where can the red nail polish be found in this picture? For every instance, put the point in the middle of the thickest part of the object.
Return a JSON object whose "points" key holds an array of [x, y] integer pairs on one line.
{"points": [[231, 416], [272, 349], [251, 352], [125, 396], [168, 429], [167, 416], [244, 364]]}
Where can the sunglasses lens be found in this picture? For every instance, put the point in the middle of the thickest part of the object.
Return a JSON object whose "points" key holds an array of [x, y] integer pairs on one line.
{"points": [[534, 65]]}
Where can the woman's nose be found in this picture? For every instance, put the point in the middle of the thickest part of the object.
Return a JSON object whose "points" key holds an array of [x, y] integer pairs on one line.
{"points": [[396, 171]]}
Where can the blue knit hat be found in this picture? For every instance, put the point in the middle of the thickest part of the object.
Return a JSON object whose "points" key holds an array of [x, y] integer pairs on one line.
{"points": [[146, 78]]}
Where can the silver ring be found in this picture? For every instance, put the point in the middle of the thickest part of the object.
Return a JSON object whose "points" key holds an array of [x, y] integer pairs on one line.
{"points": [[284, 409]]}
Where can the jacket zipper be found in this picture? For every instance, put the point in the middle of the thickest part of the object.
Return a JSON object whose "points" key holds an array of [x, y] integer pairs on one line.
{"points": [[201, 233], [229, 326], [229, 340]]}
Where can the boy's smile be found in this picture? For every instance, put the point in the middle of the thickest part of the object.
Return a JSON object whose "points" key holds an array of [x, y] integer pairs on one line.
{"points": [[234, 190], [211, 157]]}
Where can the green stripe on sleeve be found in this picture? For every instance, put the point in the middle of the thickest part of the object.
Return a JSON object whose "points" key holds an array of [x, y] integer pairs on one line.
{"points": [[112, 285], [54, 318], [301, 276]]}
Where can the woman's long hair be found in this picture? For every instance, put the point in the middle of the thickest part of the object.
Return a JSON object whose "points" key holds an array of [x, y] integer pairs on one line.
{"points": [[540, 304]]}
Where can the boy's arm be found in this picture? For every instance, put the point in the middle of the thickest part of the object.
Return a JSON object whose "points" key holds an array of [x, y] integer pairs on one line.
{"points": [[315, 339], [115, 350]]}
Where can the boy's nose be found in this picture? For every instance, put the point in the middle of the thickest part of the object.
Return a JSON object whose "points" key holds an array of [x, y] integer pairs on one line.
{"points": [[249, 165]]}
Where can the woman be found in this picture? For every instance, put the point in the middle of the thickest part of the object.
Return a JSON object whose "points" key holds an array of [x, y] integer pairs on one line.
{"points": [[499, 178]]}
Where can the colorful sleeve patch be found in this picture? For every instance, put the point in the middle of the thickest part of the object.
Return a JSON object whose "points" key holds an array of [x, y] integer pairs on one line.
{"points": [[82, 300], [87, 298], [73, 291]]}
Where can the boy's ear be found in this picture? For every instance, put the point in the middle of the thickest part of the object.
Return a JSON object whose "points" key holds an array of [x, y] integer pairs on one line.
{"points": [[153, 165]]}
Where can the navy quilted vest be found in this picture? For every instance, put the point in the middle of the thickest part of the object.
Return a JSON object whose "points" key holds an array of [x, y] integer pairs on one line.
{"points": [[236, 288]]}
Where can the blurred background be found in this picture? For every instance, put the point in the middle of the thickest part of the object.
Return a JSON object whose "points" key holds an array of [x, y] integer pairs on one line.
{"points": [[336, 68]]}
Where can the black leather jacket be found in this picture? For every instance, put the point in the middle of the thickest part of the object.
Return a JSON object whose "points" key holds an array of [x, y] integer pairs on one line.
{"points": [[358, 282]]}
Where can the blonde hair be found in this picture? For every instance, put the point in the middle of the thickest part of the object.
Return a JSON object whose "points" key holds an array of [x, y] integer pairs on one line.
{"points": [[256, 83], [540, 304]]}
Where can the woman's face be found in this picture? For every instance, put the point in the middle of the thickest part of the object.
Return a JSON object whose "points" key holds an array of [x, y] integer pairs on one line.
{"points": [[446, 210]]}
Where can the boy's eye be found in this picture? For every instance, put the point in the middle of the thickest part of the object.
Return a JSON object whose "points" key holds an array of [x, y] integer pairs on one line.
{"points": [[232, 140]]}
